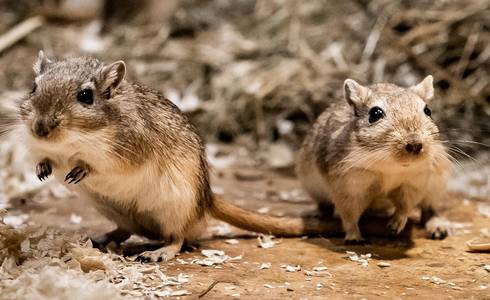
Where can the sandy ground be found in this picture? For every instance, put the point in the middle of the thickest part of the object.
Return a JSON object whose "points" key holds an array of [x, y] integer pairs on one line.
{"points": [[417, 268]]}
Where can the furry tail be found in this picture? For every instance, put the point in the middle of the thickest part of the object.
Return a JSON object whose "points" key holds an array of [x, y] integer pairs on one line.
{"points": [[296, 226], [278, 226]]}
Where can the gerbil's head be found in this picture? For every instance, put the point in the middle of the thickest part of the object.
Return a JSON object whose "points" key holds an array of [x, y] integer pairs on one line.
{"points": [[394, 124], [70, 95]]}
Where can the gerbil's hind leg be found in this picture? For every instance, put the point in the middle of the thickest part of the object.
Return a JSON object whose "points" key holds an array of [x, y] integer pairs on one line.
{"points": [[437, 228], [44, 169], [350, 215], [351, 199], [165, 253], [78, 173], [117, 236]]}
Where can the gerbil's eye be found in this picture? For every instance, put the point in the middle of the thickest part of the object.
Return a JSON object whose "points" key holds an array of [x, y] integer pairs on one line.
{"points": [[85, 97], [427, 111], [34, 87], [375, 114]]}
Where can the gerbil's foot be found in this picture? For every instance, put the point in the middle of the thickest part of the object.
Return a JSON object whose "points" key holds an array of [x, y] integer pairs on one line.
{"points": [[354, 238], [397, 224], [352, 233], [437, 228], [357, 242], [163, 254], [77, 174], [44, 169], [117, 236]]}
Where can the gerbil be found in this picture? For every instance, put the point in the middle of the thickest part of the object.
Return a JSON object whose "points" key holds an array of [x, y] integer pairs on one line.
{"points": [[379, 146], [131, 152]]}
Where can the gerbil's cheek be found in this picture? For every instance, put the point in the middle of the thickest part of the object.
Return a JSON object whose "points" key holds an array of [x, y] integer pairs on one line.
{"points": [[25, 111]]}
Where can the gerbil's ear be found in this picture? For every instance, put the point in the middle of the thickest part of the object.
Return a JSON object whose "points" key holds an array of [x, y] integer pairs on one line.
{"points": [[111, 76], [41, 63], [425, 89], [354, 93]]}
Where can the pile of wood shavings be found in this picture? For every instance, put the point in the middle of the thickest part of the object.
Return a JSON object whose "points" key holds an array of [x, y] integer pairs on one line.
{"points": [[41, 263]]}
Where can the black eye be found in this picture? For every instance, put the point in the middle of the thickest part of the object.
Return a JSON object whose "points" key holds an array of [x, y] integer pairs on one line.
{"points": [[375, 114], [427, 111], [34, 87], [85, 97]]}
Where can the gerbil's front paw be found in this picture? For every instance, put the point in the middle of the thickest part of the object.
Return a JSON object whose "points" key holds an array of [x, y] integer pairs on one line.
{"points": [[44, 169], [437, 228], [77, 174], [397, 224]]}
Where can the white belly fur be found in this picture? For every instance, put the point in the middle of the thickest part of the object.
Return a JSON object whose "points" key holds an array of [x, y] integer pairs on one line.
{"points": [[167, 196], [429, 183]]}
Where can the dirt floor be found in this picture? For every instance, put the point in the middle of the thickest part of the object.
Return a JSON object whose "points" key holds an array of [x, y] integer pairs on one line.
{"points": [[304, 268]]}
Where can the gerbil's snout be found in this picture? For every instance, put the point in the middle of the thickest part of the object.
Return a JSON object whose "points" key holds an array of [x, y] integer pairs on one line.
{"points": [[414, 145], [42, 128]]}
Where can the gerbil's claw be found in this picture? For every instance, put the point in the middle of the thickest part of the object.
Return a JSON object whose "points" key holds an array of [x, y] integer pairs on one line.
{"points": [[397, 224], [437, 228], [143, 258], [43, 170], [439, 234], [158, 255], [360, 242], [76, 175]]}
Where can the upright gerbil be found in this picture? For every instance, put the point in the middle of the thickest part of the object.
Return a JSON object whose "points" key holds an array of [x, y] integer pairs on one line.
{"points": [[129, 150], [378, 147]]}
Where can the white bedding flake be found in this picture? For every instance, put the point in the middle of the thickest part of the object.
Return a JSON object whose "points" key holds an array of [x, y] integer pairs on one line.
{"points": [[214, 257], [362, 259], [265, 241], [264, 266], [289, 268]]}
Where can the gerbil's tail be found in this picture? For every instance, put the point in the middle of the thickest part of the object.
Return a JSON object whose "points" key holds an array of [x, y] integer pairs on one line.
{"points": [[278, 226]]}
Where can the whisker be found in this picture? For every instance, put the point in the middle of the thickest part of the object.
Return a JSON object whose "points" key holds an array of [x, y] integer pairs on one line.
{"points": [[457, 150], [455, 160], [359, 158], [464, 142]]}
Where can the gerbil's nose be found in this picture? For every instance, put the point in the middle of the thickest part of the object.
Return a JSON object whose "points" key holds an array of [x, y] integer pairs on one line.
{"points": [[414, 147], [41, 128]]}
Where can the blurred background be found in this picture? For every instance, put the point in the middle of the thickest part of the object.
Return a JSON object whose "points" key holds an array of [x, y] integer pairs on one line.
{"points": [[260, 71], [257, 73]]}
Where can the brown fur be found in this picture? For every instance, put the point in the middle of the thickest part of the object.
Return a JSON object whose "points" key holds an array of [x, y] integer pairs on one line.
{"points": [[138, 158], [252, 221], [354, 164]]}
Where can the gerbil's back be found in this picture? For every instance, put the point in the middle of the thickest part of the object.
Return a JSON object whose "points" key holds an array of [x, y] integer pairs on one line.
{"points": [[151, 125], [327, 141]]}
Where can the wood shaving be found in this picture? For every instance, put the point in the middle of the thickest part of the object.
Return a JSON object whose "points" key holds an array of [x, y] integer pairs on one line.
{"points": [[265, 241]]}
